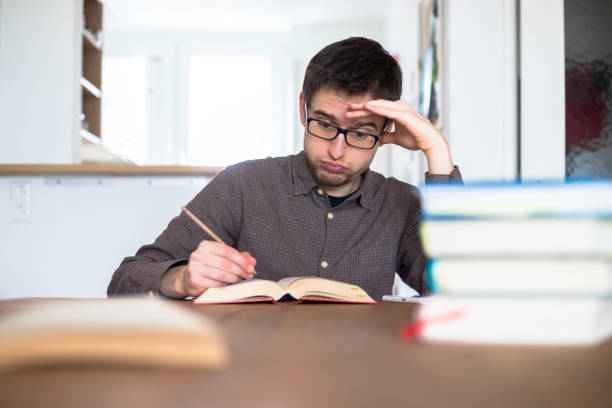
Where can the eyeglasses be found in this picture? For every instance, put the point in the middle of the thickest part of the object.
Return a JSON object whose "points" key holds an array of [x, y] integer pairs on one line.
{"points": [[328, 131]]}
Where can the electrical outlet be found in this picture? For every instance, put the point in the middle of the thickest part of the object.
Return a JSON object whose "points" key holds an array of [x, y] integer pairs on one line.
{"points": [[21, 201]]}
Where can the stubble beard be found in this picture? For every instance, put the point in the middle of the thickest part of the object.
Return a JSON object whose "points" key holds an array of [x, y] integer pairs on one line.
{"points": [[324, 178]]}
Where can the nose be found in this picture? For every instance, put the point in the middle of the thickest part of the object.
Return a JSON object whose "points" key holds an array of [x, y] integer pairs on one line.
{"points": [[337, 147]]}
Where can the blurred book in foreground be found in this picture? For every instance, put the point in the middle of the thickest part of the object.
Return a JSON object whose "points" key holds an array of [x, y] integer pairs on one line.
{"points": [[535, 237], [515, 320], [518, 263], [521, 276], [127, 332], [519, 200]]}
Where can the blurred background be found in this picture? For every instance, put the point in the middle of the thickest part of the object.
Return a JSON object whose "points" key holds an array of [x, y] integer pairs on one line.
{"points": [[521, 90]]}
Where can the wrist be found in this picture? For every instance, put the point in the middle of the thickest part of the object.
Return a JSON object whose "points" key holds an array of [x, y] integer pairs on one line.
{"points": [[438, 157], [172, 282]]}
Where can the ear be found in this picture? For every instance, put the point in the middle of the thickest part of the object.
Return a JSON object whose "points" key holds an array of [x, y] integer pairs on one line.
{"points": [[302, 110], [387, 125]]}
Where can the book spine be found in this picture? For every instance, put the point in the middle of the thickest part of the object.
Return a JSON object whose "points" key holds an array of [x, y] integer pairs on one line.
{"points": [[431, 278]]}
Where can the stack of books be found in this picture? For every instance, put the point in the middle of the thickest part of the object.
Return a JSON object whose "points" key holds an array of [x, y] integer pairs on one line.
{"points": [[518, 263]]}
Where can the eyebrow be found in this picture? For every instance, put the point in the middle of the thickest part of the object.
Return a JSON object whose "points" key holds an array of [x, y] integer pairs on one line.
{"points": [[325, 114], [368, 124], [332, 117]]}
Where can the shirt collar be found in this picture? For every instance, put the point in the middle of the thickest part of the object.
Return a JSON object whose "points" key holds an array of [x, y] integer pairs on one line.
{"points": [[303, 182], [367, 189]]}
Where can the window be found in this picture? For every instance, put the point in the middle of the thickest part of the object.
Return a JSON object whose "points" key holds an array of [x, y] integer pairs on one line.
{"points": [[229, 109], [124, 107]]}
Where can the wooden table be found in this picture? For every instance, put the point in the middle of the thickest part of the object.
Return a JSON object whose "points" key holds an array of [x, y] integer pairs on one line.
{"points": [[313, 355]]}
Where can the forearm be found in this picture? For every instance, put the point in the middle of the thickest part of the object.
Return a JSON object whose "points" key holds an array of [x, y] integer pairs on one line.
{"points": [[439, 160], [139, 275]]}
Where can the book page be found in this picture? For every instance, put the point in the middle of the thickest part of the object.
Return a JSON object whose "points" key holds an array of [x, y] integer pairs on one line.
{"points": [[285, 282], [248, 289], [327, 288]]}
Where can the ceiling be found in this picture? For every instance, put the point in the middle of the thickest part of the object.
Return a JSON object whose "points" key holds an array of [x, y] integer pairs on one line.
{"points": [[236, 14]]}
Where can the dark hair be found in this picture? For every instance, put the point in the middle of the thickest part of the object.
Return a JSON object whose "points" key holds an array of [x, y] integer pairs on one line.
{"points": [[355, 66]]}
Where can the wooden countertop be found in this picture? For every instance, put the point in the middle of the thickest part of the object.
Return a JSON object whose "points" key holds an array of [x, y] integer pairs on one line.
{"points": [[329, 355], [116, 169]]}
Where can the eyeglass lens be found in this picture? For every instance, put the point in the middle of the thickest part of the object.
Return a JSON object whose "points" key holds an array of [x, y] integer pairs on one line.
{"points": [[326, 130]]}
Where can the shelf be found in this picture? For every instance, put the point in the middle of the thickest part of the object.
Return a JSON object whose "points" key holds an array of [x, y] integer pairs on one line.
{"points": [[89, 137], [92, 153], [90, 42], [91, 88], [91, 82], [118, 169]]}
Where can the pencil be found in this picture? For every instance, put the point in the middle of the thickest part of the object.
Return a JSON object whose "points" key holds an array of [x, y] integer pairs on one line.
{"points": [[205, 228]]}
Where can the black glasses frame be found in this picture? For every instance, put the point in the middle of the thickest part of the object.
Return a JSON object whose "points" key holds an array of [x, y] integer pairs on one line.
{"points": [[344, 132]]}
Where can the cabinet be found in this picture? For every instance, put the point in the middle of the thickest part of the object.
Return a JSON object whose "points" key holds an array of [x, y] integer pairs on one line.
{"points": [[91, 73], [40, 89], [50, 81]]}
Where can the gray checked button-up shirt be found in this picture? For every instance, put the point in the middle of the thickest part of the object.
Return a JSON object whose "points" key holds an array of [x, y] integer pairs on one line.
{"points": [[274, 209]]}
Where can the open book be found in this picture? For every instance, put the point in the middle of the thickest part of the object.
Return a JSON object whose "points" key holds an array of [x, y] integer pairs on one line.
{"points": [[140, 332], [288, 290]]}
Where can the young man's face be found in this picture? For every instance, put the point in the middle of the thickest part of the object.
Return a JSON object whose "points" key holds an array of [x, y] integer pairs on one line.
{"points": [[336, 166]]}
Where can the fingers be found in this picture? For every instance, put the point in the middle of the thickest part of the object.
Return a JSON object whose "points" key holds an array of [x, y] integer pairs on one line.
{"points": [[213, 264], [390, 109], [231, 259], [250, 258], [393, 138], [198, 272]]}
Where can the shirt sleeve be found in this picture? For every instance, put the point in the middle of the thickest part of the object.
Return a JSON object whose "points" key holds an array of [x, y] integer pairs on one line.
{"points": [[413, 261], [217, 205], [454, 177]]}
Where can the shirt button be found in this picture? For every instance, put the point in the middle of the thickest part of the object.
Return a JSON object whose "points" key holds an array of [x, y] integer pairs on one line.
{"points": [[320, 192], [324, 264], [330, 216]]}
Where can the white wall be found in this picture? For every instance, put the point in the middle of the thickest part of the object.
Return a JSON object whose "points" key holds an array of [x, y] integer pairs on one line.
{"points": [[401, 39], [40, 67], [480, 83], [81, 229], [542, 89]]}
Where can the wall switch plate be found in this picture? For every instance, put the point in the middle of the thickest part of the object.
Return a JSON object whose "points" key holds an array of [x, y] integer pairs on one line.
{"points": [[21, 201]]}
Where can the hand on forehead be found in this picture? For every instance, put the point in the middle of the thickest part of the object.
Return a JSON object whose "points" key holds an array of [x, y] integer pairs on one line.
{"points": [[338, 106]]}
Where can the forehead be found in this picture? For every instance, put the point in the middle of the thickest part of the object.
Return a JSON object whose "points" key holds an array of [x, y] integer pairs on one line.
{"points": [[336, 103], [328, 98]]}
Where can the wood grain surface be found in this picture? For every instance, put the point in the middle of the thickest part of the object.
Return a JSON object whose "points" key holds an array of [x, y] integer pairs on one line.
{"points": [[329, 355]]}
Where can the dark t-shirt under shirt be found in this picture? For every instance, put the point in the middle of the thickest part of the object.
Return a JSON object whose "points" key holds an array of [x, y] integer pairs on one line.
{"points": [[336, 201]]}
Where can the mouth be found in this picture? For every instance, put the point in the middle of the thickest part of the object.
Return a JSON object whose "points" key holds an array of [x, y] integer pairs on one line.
{"points": [[333, 167]]}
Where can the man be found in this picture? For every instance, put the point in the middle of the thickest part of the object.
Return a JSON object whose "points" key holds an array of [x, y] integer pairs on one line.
{"points": [[321, 212]]}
